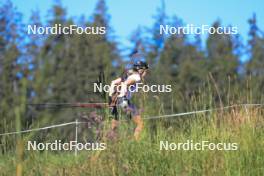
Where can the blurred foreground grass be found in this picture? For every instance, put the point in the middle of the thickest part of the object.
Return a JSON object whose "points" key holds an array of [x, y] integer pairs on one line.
{"points": [[128, 157]]}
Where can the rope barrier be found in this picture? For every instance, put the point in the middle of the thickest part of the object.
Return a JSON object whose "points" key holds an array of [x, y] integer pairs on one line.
{"points": [[199, 111], [39, 129], [147, 118]]}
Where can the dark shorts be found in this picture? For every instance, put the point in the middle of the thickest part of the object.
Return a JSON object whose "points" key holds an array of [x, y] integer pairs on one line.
{"points": [[130, 111]]}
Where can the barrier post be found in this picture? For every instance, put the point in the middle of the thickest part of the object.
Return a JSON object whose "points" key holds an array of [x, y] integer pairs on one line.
{"points": [[76, 135]]}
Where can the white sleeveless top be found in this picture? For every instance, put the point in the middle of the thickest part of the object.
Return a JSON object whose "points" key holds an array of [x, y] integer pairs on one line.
{"points": [[125, 90]]}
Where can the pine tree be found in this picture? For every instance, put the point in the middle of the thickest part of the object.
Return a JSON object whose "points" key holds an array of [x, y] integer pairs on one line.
{"points": [[222, 61], [10, 52], [104, 48], [157, 41], [50, 75], [255, 66], [171, 55]]}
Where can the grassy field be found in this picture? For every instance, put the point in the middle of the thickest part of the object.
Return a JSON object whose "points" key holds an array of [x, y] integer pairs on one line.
{"points": [[124, 156]]}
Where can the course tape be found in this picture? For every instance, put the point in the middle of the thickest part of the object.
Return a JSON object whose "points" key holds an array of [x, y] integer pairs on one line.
{"points": [[38, 129], [146, 118], [199, 111]]}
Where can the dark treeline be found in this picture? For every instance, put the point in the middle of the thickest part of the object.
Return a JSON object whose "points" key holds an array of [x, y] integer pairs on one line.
{"points": [[63, 68]]}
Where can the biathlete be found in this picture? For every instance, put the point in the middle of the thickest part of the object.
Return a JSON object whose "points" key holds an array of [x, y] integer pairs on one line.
{"points": [[120, 94]]}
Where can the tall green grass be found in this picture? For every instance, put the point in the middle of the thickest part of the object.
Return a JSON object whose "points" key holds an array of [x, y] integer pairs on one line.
{"points": [[125, 156]]}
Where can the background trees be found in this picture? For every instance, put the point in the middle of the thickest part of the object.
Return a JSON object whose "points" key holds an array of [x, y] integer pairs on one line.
{"points": [[63, 68]]}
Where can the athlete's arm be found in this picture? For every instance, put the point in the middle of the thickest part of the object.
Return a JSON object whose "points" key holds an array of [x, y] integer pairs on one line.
{"points": [[114, 83], [130, 81]]}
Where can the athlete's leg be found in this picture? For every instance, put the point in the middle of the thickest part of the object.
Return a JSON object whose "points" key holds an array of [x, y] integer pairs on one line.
{"points": [[114, 124], [112, 134], [114, 114], [137, 120], [139, 126]]}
